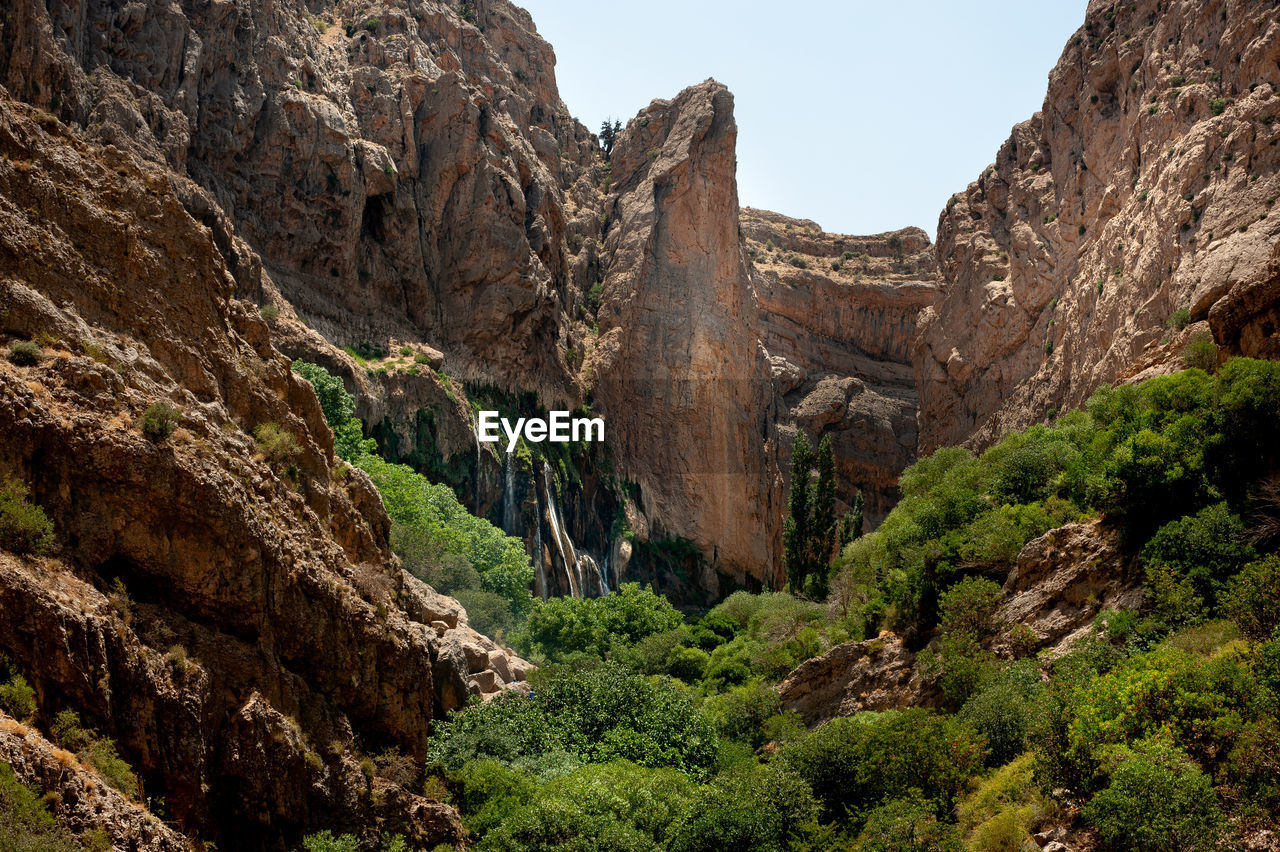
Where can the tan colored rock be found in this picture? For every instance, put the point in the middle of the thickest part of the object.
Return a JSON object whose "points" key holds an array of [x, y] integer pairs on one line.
{"points": [[678, 370], [838, 317], [1147, 184], [1064, 578], [876, 674]]}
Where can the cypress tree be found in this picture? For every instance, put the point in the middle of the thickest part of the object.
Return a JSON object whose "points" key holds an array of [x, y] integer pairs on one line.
{"points": [[795, 530], [822, 530], [851, 524]]}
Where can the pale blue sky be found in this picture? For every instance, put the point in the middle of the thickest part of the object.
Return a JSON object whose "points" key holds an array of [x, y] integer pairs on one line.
{"points": [[863, 116]]}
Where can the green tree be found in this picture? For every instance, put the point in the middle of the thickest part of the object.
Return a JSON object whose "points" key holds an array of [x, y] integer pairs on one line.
{"points": [[795, 530], [609, 134], [339, 409], [851, 523], [822, 536]]}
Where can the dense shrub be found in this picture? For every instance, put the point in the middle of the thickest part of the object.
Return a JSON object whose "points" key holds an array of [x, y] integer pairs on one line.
{"points": [[853, 763], [1003, 711], [907, 824], [1205, 549], [339, 409], [592, 716], [277, 445], [17, 698], [1157, 799], [744, 810], [617, 805], [160, 419], [24, 527], [431, 518], [25, 822], [560, 627], [1253, 600], [25, 353], [98, 752], [1003, 809]]}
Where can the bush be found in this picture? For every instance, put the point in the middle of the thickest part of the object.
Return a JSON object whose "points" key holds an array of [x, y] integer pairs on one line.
{"points": [[1201, 353], [1003, 809], [561, 627], [25, 353], [270, 313], [339, 409], [908, 824], [742, 713], [24, 527], [278, 446], [593, 716], [17, 698], [1157, 799], [1003, 711], [969, 608], [488, 612], [747, 809], [98, 752], [1253, 601], [1179, 319], [854, 763], [324, 841], [159, 420], [25, 822], [1205, 549]]}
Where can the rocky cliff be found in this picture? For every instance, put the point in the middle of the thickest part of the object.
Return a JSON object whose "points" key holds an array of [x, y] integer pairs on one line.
{"points": [[1138, 203], [838, 317], [226, 610]]}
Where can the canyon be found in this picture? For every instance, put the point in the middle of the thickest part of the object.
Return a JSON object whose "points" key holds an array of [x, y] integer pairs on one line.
{"points": [[193, 195]]}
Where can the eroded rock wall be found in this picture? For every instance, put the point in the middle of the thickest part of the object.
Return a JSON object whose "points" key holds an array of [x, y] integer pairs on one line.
{"points": [[838, 317], [1146, 185]]}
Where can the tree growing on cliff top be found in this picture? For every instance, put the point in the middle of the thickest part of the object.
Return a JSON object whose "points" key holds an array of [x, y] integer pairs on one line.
{"points": [[609, 134]]}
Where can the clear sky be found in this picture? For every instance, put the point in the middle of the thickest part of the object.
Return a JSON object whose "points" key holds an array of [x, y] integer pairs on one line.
{"points": [[863, 116]]}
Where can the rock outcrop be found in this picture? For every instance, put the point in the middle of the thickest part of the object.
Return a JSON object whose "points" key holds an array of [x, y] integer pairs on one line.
{"points": [[228, 613], [876, 674], [678, 367], [838, 317], [1144, 188], [1066, 577]]}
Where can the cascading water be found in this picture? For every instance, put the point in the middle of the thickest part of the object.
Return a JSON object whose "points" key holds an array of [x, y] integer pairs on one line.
{"points": [[563, 544], [475, 483], [537, 545], [509, 497]]}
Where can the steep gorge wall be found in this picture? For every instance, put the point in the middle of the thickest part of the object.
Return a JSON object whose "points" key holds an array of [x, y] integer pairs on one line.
{"points": [[1147, 184], [838, 317]]}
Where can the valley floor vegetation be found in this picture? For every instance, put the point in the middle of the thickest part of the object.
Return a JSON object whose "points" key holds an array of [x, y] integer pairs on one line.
{"points": [[651, 729]]}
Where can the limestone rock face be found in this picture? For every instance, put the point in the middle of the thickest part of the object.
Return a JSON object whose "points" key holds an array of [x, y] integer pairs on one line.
{"points": [[838, 317], [297, 634], [400, 169], [877, 674], [678, 368], [1146, 185], [1064, 578]]}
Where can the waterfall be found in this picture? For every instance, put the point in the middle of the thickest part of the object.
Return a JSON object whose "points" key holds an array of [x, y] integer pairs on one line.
{"points": [[563, 544], [475, 433], [509, 497], [537, 545]]}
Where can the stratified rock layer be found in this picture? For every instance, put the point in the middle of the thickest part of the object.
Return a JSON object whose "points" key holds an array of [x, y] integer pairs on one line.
{"points": [[1146, 186], [838, 317]]}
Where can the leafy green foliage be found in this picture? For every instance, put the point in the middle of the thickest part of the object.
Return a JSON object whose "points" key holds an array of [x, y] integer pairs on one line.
{"points": [[25, 822], [339, 409], [24, 527], [431, 516], [17, 698], [747, 809], [907, 824], [1253, 601], [854, 763], [160, 419], [561, 627], [593, 716], [97, 751], [1157, 799]]}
